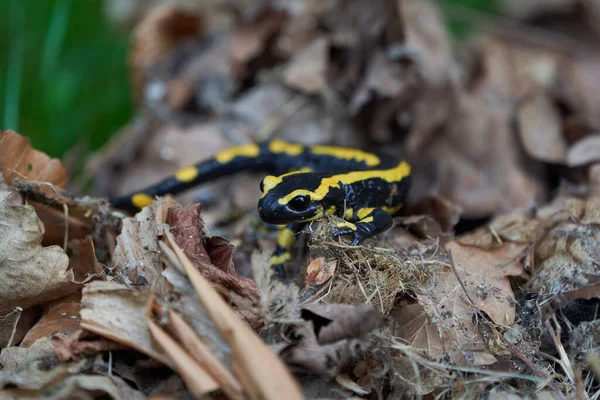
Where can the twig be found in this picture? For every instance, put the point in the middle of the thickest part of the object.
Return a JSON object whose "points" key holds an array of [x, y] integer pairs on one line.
{"points": [[285, 112], [19, 311], [462, 285], [66, 214]]}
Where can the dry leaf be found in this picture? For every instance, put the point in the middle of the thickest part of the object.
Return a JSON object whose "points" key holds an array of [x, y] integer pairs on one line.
{"points": [[415, 327], [33, 373], [78, 386], [252, 38], [19, 161], [443, 323], [29, 273], [540, 129], [331, 336], [334, 322], [199, 380], [156, 36], [567, 255], [80, 342], [116, 312], [307, 355], [585, 151], [344, 381], [484, 274], [307, 70], [595, 180], [13, 358], [478, 161], [61, 317], [136, 257], [57, 226], [258, 369], [211, 256], [318, 271]]}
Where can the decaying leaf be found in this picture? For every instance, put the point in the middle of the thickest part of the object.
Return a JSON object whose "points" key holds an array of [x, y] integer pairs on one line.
{"points": [[29, 273], [319, 271], [307, 70], [567, 254], [595, 180], [415, 327], [484, 274], [259, 370], [251, 38], [444, 322], [157, 35], [333, 322], [82, 343], [540, 128], [212, 256], [116, 312], [331, 336], [19, 161], [78, 386], [61, 317], [585, 151], [137, 254]]}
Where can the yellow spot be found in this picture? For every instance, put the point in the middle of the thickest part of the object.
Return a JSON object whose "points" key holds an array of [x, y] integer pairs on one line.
{"points": [[187, 174], [331, 210], [247, 150], [271, 181], [392, 210], [391, 175], [366, 220], [347, 154], [291, 149], [280, 259], [363, 212], [346, 224], [286, 239], [141, 200], [348, 213]]}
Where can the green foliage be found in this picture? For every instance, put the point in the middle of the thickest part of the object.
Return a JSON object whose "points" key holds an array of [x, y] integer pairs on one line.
{"points": [[460, 28], [64, 74], [63, 70]]}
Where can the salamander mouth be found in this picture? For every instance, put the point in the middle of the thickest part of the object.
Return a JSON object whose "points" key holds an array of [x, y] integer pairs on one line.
{"points": [[282, 217]]}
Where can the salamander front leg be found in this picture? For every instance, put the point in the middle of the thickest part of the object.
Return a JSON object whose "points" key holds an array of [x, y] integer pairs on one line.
{"points": [[285, 243], [375, 222]]}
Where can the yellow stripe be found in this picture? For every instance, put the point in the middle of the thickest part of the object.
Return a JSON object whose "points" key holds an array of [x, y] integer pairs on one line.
{"points": [[286, 238], [248, 150], [280, 259], [346, 224], [390, 175], [347, 154], [362, 213], [271, 181], [187, 174], [279, 146], [141, 200]]}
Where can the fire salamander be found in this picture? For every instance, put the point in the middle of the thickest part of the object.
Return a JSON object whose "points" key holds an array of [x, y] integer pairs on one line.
{"points": [[365, 189]]}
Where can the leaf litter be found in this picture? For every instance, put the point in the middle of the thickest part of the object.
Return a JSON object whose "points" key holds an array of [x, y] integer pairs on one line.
{"points": [[486, 287]]}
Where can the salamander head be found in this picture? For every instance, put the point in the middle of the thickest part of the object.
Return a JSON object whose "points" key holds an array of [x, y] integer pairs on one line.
{"points": [[298, 197]]}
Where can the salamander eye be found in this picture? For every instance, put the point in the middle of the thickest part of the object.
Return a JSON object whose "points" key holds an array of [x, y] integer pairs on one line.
{"points": [[299, 203], [262, 186]]}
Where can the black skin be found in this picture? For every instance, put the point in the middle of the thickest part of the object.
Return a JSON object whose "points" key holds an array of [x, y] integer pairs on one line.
{"points": [[367, 193]]}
